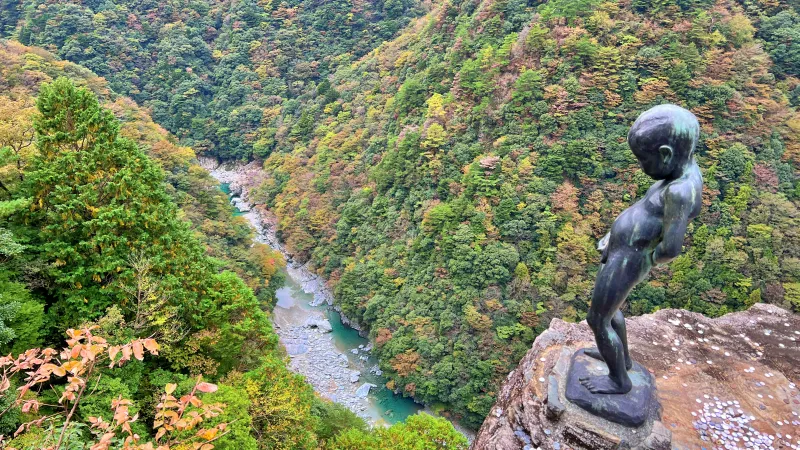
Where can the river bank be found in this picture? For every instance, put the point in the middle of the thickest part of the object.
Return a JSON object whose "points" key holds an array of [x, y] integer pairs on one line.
{"points": [[333, 357]]}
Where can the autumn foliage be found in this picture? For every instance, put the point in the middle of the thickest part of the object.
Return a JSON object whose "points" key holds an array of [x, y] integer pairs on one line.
{"points": [[76, 366]]}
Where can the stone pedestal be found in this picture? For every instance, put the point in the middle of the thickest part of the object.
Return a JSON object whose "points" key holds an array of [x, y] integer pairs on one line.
{"points": [[631, 409], [603, 421]]}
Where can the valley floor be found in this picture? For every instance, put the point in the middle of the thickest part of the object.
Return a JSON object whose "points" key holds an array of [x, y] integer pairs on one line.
{"points": [[335, 360]]}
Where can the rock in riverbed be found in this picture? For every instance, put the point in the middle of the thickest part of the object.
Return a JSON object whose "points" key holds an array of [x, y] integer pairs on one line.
{"points": [[363, 390], [320, 324], [240, 204]]}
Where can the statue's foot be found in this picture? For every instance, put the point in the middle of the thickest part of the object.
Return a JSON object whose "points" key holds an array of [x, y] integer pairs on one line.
{"points": [[595, 353], [605, 385]]}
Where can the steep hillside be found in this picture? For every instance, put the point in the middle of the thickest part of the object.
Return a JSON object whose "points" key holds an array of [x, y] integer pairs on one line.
{"points": [[210, 71], [111, 232], [92, 238], [189, 186], [453, 183]]}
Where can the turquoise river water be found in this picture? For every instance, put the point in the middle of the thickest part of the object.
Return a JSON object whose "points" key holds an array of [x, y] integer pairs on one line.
{"points": [[293, 307]]}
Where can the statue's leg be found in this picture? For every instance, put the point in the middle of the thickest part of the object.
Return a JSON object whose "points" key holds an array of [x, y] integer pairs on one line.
{"points": [[618, 323], [614, 281], [610, 346]]}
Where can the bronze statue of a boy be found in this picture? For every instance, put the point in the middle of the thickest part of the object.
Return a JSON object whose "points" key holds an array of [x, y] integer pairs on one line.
{"points": [[649, 232]]}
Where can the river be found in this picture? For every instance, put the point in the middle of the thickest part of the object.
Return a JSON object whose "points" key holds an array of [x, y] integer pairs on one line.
{"points": [[328, 360]]}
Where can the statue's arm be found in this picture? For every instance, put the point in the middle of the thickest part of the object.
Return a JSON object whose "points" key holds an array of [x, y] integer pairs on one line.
{"points": [[603, 247], [677, 210]]}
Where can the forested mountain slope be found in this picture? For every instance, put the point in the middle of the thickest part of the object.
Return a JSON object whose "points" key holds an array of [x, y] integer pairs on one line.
{"points": [[210, 71], [452, 183], [109, 229], [455, 188]]}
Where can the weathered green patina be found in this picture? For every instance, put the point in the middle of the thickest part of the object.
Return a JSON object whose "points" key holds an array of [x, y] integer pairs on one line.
{"points": [[649, 232]]}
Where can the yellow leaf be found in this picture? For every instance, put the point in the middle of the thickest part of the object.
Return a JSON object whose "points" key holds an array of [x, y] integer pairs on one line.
{"points": [[71, 366], [170, 388], [208, 434]]}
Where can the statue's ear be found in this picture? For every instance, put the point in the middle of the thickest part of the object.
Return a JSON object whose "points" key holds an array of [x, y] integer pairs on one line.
{"points": [[666, 153]]}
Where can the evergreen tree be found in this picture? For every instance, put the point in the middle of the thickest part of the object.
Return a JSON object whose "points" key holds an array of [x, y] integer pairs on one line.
{"points": [[96, 199]]}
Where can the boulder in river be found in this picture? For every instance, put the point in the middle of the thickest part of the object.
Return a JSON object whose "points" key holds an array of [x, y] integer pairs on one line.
{"points": [[296, 348], [320, 324], [240, 204], [363, 390], [354, 376]]}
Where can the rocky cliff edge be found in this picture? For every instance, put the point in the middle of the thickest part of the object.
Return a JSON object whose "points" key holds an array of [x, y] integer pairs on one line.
{"points": [[729, 382]]}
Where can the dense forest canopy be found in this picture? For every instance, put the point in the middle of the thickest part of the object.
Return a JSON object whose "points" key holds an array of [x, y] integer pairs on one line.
{"points": [[455, 186], [111, 232], [214, 73], [452, 181]]}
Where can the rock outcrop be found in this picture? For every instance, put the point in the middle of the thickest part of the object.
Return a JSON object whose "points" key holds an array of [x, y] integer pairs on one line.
{"points": [[729, 382]]}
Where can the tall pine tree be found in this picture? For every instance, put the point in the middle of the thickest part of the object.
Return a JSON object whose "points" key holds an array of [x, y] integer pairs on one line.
{"points": [[96, 201]]}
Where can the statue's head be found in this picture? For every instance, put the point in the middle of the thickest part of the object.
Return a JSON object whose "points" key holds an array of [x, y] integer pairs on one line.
{"points": [[663, 139]]}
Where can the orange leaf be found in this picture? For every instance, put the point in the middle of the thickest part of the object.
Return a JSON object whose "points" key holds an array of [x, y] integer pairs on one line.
{"points": [[138, 351], [151, 345], [126, 354]]}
